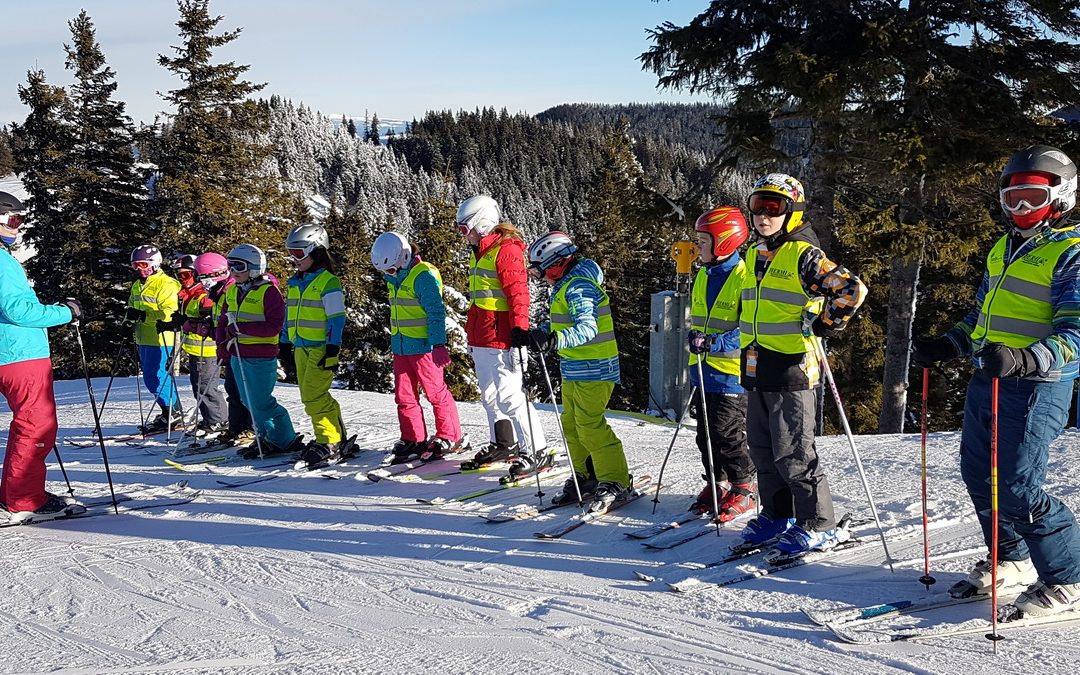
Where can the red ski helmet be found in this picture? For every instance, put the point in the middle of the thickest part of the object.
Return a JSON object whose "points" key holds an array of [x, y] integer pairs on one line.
{"points": [[727, 227]]}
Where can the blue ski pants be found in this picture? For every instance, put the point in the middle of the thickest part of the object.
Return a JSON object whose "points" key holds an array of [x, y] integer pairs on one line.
{"points": [[1030, 521], [257, 378], [154, 362]]}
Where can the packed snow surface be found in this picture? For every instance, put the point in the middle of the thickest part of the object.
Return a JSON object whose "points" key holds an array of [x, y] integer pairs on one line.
{"points": [[304, 573]]}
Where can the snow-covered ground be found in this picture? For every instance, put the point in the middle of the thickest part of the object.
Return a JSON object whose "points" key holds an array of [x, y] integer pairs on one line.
{"points": [[307, 574]]}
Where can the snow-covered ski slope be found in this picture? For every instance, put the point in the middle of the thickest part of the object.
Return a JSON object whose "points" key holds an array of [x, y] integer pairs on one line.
{"points": [[301, 574]]}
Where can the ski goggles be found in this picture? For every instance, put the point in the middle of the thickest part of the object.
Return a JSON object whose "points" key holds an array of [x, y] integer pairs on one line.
{"points": [[140, 265], [300, 253], [237, 265], [464, 229], [770, 205], [1019, 197], [185, 275], [12, 220]]}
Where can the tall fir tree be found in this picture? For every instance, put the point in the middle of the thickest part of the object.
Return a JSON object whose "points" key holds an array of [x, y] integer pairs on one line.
{"points": [[7, 158], [216, 183], [372, 134], [350, 126]]}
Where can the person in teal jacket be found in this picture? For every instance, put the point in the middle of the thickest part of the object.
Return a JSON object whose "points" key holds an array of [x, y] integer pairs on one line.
{"points": [[26, 380]]}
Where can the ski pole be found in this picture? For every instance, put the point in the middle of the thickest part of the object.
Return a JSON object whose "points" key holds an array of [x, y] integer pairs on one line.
{"points": [[112, 372], [171, 377], [97, 416], [675, 437], [704, 419], [247, 393], [562, 433], [63, 471], [993, 634], [854, 450], [528, 420], [926, 579]]}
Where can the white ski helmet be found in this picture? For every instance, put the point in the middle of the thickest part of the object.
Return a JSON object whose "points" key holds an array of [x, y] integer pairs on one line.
{"points": [[305, 239], [550, 249], [479, 214], [391, 251], [147, 253], [252, 258]]}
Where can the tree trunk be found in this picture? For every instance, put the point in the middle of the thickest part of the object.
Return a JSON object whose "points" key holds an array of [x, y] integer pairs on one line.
{"points": [[903, 284]]}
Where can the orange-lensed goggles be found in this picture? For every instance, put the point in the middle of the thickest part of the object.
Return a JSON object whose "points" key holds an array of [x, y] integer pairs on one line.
{"points": [[140, 265], [298, 253], [770, 205]]}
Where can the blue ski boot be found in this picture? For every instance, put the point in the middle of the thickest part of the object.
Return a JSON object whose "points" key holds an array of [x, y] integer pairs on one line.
{"points": [[762, 531]]}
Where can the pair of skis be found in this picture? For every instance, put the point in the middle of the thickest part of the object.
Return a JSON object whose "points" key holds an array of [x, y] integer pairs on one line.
{"points": [[132, 500]]}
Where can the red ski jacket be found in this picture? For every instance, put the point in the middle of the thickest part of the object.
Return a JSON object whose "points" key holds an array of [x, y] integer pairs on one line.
{"points": [[487, 328]]}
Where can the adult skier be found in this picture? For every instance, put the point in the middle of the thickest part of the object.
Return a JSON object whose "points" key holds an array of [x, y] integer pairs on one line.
{"points": [[26, 380], [714, 343], [1025, 331], [248, 331], [418, 340], [498, 319], [793, 295], [582, 331], [155, 297]]}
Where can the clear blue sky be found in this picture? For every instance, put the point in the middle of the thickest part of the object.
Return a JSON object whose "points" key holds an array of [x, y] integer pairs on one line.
{"points": [[396, 58]]}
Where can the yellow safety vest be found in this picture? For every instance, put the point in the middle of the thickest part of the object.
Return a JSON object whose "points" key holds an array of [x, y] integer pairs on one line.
{"points": [[194, 344], [603, 345], [775, 310], [722, 317], [305, 313], [407, 315], [485, 289], [1016, 309], [150, 295], [250, 310]]}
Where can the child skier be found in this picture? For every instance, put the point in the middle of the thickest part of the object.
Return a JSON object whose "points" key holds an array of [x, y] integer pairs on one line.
{"points": [[787, 278], [714, 350], [314, 324], [1024, 332], [581, 330], [212, 270], [195, 320], [418, 340], [498, 319], [26, 381], [154, 297], [248, 330]]}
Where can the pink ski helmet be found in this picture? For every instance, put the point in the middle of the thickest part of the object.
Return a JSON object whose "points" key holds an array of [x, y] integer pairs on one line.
{"points": [[211, 269]]}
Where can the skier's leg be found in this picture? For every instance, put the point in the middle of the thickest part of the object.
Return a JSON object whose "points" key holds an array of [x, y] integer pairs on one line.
{"points": [[27, 386], [320, 406], [776, 502], [792, 429], [727, 429], [579, 452], [406, 395], [447, 424], [486, 362], [605, 448], [512, 402]]}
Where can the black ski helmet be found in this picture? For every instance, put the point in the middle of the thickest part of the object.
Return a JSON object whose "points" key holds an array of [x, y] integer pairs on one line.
{"points": [[9, 203], [1052, 162]]}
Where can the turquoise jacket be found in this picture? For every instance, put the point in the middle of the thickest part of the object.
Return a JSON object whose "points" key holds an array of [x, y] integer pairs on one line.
{"points": [[431, 299], [23, 319]]}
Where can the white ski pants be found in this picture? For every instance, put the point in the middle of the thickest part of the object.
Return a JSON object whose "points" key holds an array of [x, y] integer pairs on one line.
{"points": [[498, 375]]}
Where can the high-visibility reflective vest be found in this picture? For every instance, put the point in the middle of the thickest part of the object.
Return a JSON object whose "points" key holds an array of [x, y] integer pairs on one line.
{"points": [[722, 317], [251, 309], [407, 315], [603, 345], [194, 344], [1016, 309], [485, 289], [305, 313], [775, 311]]}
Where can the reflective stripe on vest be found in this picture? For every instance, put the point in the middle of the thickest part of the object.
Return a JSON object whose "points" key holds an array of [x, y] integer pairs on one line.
{"points": [[251, 309], [407, 315], [193, 344], [720, 318], [603, 344], [305, 314], [1016, 309], [485, 289], [774, 310]]}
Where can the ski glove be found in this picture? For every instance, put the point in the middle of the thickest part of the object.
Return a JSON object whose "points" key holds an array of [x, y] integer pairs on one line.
{"points": [[439, 356], [164, 326], [519, 338], [997, 360], [136, 315], [700, 343], [541, 340], [824, 330], [76, 309], [927, 352], [329, 361]]}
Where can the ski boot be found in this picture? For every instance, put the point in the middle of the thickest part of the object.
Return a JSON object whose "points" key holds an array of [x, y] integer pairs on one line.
{"points": [[492, 453], [703, 504], [738, 500], [163, 423], [271, 450], [525, 466], [54, 507], [1042, 599], [796, 542], [315, 455], [568, 494], [608, 494], [1011, 575], [761, 531], [438, 448], [404, 450]]}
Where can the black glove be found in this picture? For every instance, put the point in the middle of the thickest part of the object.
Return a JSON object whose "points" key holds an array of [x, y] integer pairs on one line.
{"points": [[824, 330], [699, 342], [997, 360], [927, 352], [285, 352], [164, 326], [206, 312], [541, 340], [519, 337], [76, 309], [329, 361], [135, 315]]}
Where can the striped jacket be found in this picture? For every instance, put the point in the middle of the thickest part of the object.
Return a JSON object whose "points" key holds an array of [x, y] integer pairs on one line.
{"points": [[583, 298]]}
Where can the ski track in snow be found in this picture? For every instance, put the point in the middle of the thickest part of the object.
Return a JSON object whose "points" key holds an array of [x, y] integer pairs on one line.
{"points": [[305, 574]]}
